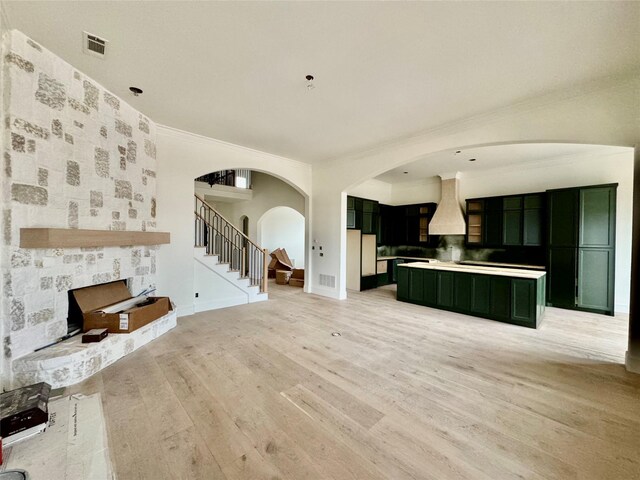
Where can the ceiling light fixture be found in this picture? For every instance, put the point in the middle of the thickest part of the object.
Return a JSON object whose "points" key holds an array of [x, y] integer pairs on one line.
{"points": [[136, 91], [458, 151], [310, 85], [472, 159], [405, 172]]}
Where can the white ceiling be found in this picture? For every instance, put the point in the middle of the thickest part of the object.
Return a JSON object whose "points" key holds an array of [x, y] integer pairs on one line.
{"points": [[384, 70], [491, 157]]}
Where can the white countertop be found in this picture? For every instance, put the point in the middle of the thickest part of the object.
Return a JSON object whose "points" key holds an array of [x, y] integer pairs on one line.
{"points": [[454, 267], [499, 264], [418, 259]]}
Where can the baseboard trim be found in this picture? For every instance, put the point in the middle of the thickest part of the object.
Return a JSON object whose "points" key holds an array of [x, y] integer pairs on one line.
{"points": [[185, 310], [328, 292], [632, 362]]}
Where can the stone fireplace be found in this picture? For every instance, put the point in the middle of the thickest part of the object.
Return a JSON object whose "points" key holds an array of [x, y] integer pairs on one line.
{"points": [[74, 156]]}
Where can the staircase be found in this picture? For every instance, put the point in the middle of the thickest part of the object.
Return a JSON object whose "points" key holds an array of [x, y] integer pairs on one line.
{"points": [[230, 268]]}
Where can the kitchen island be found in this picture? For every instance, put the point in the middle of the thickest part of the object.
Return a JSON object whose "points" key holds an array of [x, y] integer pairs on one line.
{"points": [[508, 295]]}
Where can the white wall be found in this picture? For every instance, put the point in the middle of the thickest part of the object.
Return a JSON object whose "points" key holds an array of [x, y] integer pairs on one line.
{"points": [[182, 157], [599, 112], [373, 190], [214, 291], [268, 192], [283, 227]]}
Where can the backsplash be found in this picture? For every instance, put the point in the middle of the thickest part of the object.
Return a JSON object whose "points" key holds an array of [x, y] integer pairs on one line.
{"points": [[453, 248]]}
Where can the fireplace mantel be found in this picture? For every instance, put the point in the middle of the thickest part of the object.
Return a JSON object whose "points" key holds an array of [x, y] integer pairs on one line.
{"points": [[74, 237]]}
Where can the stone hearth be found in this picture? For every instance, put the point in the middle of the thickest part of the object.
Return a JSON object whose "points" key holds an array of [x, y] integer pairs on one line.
{"points": [[72, 361]]}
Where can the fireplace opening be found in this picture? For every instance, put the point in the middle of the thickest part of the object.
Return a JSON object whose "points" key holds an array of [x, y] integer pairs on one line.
{"points": [[74, 318]]}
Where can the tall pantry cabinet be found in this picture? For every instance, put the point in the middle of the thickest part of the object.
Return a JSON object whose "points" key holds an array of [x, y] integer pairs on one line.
{"points": [[581, 238]]}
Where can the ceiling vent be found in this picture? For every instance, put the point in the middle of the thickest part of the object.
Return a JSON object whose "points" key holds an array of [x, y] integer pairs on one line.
{"points": [[94, 45]]}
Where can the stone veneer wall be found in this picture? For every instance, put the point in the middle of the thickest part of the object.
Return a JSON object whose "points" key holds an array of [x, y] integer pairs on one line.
{"points": [[75, 156]]}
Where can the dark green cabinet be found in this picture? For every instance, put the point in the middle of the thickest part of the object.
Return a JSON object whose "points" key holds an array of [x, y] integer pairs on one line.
{"points": [[402, 277], [523, 300], [462, 287], [429, 286], [532, 232], [597, 217], [508, 299], [562, 277], [445, 289], [416, 285], [507, 221], [493, 228], [480, 294], [362, 214], [500, 298], [595, 291], [562, 218], [512, 230], [581, 239]]}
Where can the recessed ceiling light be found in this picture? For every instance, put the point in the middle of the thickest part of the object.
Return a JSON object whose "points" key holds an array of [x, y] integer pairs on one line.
{"points": [[472, 159], [310, 85], [136, 91], [405, 172], [458, 151]]}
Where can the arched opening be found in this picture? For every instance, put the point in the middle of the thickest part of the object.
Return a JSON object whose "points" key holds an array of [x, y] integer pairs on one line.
{"points": [[226, 224], [283, 227], [498, 170]]}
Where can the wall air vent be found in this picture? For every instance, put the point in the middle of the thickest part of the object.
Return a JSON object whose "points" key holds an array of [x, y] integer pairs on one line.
{"points": [[94, 45], [327, 280]]}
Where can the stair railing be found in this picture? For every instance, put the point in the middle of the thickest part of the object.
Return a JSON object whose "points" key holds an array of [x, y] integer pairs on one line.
{"points": [[220, 237]]}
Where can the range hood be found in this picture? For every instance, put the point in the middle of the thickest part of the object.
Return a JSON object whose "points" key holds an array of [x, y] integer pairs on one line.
{"points": [[448, 219]]}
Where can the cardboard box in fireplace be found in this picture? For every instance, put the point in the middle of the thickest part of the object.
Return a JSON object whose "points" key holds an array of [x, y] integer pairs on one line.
{"points": [[91, 300]]}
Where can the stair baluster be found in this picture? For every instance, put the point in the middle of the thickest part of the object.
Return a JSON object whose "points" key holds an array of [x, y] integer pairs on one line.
{"points": [[220, 237]]}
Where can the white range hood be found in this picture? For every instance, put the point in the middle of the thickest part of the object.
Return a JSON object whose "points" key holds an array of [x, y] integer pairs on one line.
{"points": [[448, 219]]}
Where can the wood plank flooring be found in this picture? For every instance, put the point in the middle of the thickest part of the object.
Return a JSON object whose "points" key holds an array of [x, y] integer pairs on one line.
{"points": [[264, 391]]}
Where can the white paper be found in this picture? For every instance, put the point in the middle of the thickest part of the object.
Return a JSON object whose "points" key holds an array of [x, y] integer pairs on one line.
{"points": [[74, 446], [124, 321]]}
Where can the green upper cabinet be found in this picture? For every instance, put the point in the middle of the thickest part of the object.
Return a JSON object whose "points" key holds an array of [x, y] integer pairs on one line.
{"points": [[597, 217], [512, 203], [563, 217], [512, 228], [533, 220], [510, 221], [532, 231], [362, 214], [493, 228]]}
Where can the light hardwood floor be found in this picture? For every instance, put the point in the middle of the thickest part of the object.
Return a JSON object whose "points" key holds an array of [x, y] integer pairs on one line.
{"points": [[264, 391]]}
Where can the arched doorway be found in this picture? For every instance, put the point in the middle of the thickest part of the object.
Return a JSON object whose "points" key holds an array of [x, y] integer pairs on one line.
{"points": [[283, 227]]}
